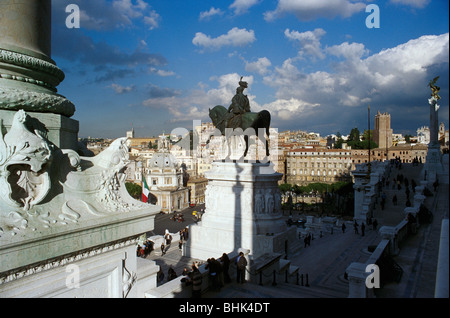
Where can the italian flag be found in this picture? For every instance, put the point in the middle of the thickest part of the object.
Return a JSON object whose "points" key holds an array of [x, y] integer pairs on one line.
{"points": [[145, 191]]}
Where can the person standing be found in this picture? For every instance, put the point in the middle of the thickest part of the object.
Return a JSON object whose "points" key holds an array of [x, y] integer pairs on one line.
{"points": [[343, 227], [226, 266], [197, 279], [374, 224], [241, 263]]}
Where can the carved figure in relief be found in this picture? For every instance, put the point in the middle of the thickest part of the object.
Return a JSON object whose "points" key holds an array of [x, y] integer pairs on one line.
{"points": [[269, 202], [259, 202], [277, 198], [24, 158]]}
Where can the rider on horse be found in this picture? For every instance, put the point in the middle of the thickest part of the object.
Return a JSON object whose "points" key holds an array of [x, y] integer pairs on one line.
{"points": [[239, 106]]}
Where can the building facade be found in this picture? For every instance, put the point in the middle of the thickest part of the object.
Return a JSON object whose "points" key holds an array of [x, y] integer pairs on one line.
{"points": [[197, 189], [308, 165], [165, 181]]}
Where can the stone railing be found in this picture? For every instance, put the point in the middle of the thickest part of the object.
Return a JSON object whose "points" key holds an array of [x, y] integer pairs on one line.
{"points": [[358, 273], [392, 238]]}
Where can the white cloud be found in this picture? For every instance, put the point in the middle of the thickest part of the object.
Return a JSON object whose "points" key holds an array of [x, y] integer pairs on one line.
{"points": [[288, 109], [309, 42], [205, 15], [196, 103], [397, 76], [234, 37], [129, 9], [103, 15], [242, 6], [348, 50], [161, 73], [307, 10], [152, 19], [399, 73], [260, 66], [139, 9], [413, 3], [119, 89]]}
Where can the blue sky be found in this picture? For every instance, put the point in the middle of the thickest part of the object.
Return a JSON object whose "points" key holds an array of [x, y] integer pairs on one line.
{"points": [[158, 65]]}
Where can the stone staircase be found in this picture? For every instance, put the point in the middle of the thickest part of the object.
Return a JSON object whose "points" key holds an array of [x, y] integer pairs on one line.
{"points": [[393, 214], [280, 290]]}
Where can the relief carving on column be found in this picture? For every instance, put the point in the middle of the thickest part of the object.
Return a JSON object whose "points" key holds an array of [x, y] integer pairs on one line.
{"points": [[24, 158]]}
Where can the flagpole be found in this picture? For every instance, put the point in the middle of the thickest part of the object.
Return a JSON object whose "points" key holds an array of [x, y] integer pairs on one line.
{"points": [[142, 183]]}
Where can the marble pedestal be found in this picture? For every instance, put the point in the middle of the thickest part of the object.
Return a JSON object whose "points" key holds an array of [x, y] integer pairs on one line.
{"points": [[243, 211], [61, 130], [433, 165]]}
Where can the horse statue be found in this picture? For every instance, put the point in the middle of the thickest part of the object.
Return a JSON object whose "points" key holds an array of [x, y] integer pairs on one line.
{"points": [[244, 121]]}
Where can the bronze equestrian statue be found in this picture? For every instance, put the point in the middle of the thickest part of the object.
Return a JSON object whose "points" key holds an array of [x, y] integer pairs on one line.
{"points": [[238, 115]]}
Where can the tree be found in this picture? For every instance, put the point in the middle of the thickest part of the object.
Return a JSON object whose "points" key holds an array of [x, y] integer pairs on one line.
{"points": [[354, 135], [133, 189], [408, 138], [285, 187], [339, 141]]}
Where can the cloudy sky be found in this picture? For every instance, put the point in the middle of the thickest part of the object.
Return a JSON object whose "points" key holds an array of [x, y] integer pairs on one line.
{"points": [[157, 65]]}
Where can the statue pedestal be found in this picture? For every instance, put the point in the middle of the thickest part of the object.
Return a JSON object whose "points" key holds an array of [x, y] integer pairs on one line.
{"points": [[243, 211], [62, 131], [433, 164]]}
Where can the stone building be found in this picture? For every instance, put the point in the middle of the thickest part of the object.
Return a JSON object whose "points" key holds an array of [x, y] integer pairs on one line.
{"points": [[307, 165], [197, 189], [165, 180], [382, 133]]}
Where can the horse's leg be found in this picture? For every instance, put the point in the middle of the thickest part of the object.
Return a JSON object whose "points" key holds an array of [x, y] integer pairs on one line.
{"points": [[267, 142], [228, 145], [246, 145]]}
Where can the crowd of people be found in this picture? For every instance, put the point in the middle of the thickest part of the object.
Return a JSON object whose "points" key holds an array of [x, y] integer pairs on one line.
{"points": [[144, 249], [218, 273]]}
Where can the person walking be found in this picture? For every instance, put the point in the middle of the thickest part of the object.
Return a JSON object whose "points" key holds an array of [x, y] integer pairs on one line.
{"points": [[355, 227], [343, 227]]}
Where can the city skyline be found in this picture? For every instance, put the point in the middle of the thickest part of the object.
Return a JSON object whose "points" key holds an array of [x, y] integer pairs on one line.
{"points": [[315, 65]]}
